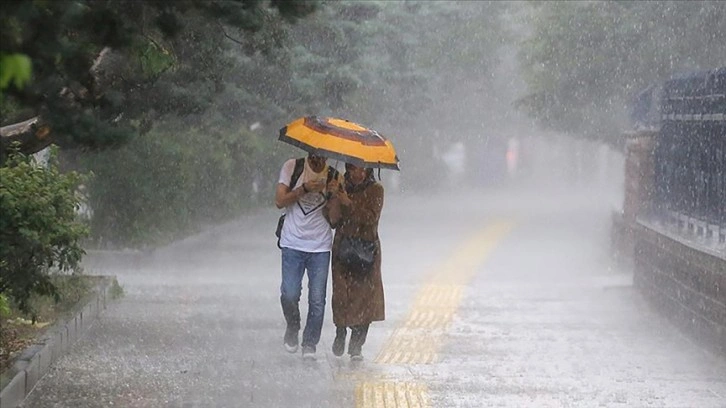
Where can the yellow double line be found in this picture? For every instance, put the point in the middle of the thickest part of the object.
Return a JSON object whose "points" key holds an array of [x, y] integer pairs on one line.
{"points": [[420, 336]]}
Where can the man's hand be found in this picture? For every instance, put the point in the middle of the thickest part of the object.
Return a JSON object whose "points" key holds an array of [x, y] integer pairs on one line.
{"points": [[314, 186]]}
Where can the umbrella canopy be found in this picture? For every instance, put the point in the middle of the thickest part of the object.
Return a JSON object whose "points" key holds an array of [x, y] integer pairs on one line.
{"points": [[341, 140]]}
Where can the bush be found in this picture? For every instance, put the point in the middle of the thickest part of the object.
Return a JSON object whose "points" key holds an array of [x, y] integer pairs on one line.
{"points": [[169, 183], [39, 231], [4, 307], [116, 291]]}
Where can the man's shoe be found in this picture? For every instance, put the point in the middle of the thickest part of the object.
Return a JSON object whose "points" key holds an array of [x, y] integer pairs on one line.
{"points": [[292, 349], [356, 357], [290, 342], [308, 353]]}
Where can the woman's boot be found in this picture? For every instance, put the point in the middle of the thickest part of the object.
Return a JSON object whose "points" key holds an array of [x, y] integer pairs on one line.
{"points": [[358, 336], [339, 342]]}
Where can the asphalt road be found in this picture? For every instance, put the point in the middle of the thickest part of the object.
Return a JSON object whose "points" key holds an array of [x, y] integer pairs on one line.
{"points": [[503, 298]]}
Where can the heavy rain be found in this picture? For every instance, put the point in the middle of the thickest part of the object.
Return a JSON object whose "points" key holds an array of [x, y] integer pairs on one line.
{"points": [[497, 204]]}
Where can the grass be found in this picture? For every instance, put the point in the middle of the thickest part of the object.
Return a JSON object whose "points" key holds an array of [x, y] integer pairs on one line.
{"points": [[19, 330]]}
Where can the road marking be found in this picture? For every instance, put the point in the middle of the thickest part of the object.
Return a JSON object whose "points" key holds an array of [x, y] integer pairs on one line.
{"points": [[385, 394], [420, 336], [407, 346]]}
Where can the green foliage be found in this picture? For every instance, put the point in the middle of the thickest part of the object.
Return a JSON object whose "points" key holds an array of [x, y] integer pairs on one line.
{"points": [[176, 95], [172, 180], [381, 63], [154, 59], [584, 60], [15, 69], [39, 233], [70, 291], [72, 288], [98, 66], [399, 67], [4, 306], [116, 291], [106, 72]]}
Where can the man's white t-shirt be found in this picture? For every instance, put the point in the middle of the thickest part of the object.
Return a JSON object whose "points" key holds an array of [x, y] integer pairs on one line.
{"points": [[305, 228]]}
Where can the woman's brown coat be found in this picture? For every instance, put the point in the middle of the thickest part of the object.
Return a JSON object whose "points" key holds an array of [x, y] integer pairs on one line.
{"points": [[358, 301]]}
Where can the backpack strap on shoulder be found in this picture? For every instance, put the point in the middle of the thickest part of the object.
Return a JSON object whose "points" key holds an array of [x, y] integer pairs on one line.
{"points": [[296, 172], [299, 166]]}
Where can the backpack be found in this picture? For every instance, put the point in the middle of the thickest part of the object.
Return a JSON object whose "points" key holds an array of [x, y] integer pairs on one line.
{"points": [[296, 173]]}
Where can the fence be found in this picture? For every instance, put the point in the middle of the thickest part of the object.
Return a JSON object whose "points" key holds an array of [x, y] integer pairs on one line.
{"points": [[690, 153]]}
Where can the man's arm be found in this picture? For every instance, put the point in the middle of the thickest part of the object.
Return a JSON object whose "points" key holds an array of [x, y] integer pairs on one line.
{"points": [[284, 196]]}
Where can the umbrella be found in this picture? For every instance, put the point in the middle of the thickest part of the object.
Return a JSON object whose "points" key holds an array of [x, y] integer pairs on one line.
{"points": [[341, 140]]}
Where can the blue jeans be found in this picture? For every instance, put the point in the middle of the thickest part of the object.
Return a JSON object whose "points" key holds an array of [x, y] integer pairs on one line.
{"points": [[294, 265]]}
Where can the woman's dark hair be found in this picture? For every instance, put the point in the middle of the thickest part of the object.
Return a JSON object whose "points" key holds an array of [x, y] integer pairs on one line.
{"points": [[369, 170], [368, 179]]}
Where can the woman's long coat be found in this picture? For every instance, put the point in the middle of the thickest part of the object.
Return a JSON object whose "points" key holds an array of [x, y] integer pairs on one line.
{"points": [[358, 301]]}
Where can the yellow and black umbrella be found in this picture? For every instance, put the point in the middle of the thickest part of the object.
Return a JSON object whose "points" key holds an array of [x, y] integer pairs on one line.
{"points": [[341, 140]]}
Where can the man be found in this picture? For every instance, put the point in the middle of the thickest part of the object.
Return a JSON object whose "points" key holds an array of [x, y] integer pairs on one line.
{"points": [[305, 241]]}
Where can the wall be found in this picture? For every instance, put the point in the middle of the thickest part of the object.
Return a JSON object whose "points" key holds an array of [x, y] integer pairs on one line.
{"points": [[676, 272], [685, 283]]}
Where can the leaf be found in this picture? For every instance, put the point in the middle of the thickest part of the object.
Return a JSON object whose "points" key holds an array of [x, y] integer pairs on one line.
{"points": [[15, 68]]}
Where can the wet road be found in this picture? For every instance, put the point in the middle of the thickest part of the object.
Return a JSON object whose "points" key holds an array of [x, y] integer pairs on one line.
{"points": [[493, 299]]}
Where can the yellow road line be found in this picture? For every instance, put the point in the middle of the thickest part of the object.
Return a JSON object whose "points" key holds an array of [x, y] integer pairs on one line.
{"points": [[410, 347], [436, 303], [387, 394], [420, 336], [438, 296]]}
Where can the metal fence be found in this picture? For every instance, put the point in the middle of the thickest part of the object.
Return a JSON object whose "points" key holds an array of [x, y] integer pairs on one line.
{"points": [[690, 152]]}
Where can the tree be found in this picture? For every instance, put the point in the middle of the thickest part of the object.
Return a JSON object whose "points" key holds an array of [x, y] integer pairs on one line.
{"points": [[418, 71], [39, 231], [584, 60], [188, 97], [97, 65], [389, 65], [106, 73]]}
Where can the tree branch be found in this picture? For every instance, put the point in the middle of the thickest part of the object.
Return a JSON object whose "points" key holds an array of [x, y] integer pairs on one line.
{"points": [[229, 36], [33, 135]]}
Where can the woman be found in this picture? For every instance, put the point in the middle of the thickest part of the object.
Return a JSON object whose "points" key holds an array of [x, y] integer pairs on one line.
{"points": [[357, 292]]}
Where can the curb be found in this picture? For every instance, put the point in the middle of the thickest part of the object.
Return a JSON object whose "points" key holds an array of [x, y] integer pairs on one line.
{"points": [[36, 360]]}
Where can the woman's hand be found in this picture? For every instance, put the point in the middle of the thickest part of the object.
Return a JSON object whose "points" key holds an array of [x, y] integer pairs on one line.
{"points": [[333, 186], [344, 199]]}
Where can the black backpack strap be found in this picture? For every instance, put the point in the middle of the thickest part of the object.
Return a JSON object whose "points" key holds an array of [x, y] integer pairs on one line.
{"points": [[297, 171], [299, 166]]}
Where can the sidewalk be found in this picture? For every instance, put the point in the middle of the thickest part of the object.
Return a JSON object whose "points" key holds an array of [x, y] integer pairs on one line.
{"points": [[530, 315]]}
